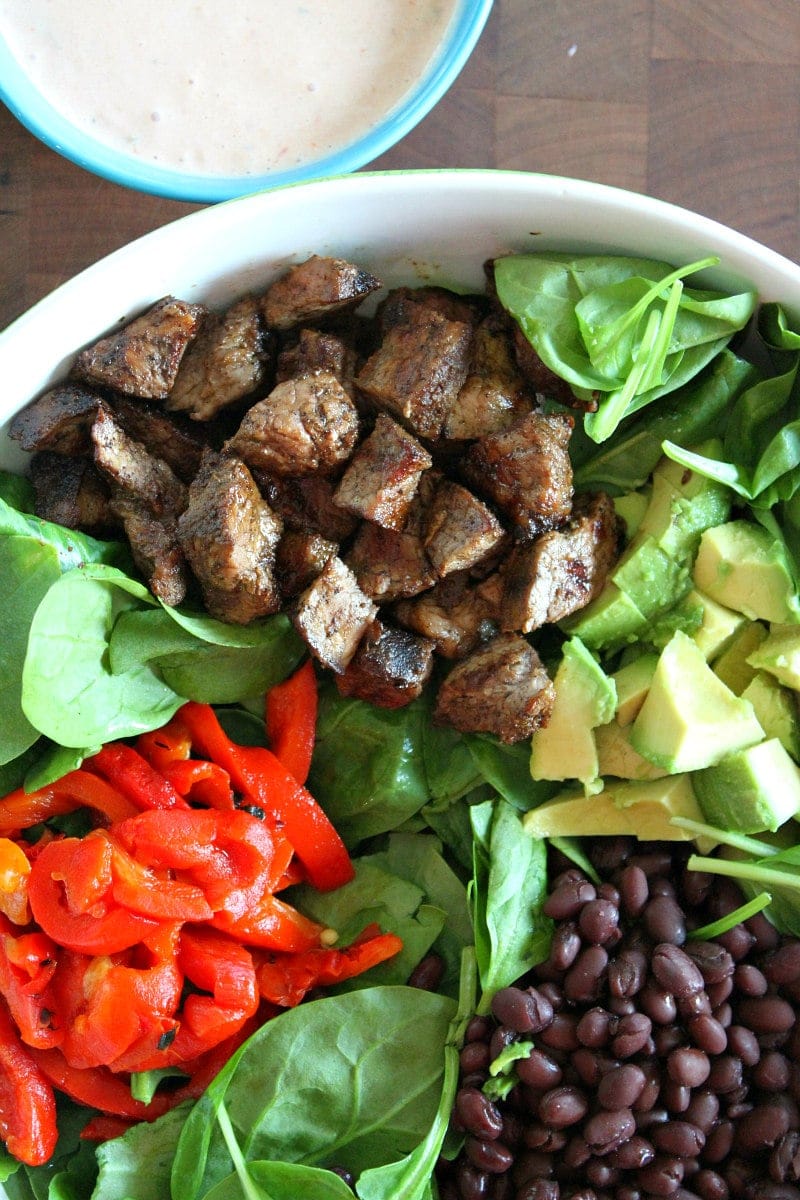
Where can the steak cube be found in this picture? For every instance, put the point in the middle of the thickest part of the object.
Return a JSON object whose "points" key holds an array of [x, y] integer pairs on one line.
{"points": [[495, 393], [227, 362], [301, 558], [333, 614], [460, 530], [313, 289], [60, 421], [381, 478], [389, 668]]}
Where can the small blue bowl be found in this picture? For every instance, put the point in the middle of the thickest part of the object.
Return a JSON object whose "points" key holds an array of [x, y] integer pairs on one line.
{"points": [[30, 107]]}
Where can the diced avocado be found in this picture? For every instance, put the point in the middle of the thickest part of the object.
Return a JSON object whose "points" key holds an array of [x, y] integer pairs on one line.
{"points": [[641, 809], [676, 521], [752, 790], [690, 719], [650, 577], [616, 756], [741, 566], [718, 626], [687, 482], [686, 614], [732, 666], [609, 622], [631, 508], [632, 683], [776, 710], [584, 697], [779, 653]]}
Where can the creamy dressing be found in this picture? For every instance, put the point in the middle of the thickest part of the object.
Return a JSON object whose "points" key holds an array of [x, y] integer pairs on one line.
{"points": [[232, 87]]}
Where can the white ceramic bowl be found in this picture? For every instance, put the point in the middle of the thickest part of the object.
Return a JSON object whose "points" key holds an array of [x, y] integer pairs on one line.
{"points": [[51, 126], [406, 227]]}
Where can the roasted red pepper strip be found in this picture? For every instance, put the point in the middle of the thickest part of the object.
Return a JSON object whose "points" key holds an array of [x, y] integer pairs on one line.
{"points": [[284, 979], [201, 781], [291, 720], [106, 929], [256, 772], [272, 924], [78, 789], [134, 777], [103, 1128], [27, 1104], [172, 743]]}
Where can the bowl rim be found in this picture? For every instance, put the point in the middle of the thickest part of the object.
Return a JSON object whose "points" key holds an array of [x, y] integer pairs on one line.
{"points": [[47, 123]]}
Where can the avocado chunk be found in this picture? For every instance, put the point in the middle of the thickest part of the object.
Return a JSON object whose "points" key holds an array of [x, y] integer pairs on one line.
{"points": [[718, 626], [686, 615], [676, 519], [642, 809], [616, 756], [608, 622], [741, 566], [776, 710], [690, 719], [585, 696], [750, 791], [631, 509], [733, 666], [651, 577], [779, 653], [633, 683]]}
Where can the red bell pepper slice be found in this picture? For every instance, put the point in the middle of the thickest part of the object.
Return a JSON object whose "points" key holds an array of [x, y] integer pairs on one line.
{"points": [[170, 744], [141, 890], [104, 1128], [106, 930], [27, 1105], [258, 773], [272, 924], [291, 720], [27, 964], [201, 781], [78, 789], [132, 775], [15, 868], [284, 979]]}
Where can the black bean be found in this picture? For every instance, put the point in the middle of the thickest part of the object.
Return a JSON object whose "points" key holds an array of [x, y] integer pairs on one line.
{"points": [[561, 1034], [784, 1161], [763, 1190], [539, 1070], [762, 1127], [606, 1131], [569, 898], [766, 1014], [565, 946], [591, 1065], [667, 1038], [662, 1177], [563, 1106], [772, 1072], [533, 1164], [680, 1138], [783, 965], [703, 1110], [738, 941], [598, 920], [475, 1057], [478, 1030], [744, 1044], [633, 889], [601, 1173], [596, 1027], [472, 1183], [621, 1087], [688, 1066], [724, 1014], [765, 933], [707, 1034], [749, 981], [621, 1007], [608, 854], [719, 1143], [659, 1005], [664, 920], [490, 1156], [523, 1010], [427, 975], [538, 1137], [576, 1152], [635, 1153], [627, 973], [696, 886], [714, 961], [477, 1114], [675, 1096], [539, 1189], [631, 1035], [718, 993], [675, 970], [652, 1086], [710, 1185], [583, 982], [697, 1005]]}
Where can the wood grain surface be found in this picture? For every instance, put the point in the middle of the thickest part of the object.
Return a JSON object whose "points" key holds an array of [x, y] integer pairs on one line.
{"points": [[693, 101]]}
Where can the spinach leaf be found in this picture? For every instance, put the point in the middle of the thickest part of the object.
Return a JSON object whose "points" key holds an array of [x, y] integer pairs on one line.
{"points": [[53, 763], [449, 820], [69, 692], [351, 1080], [284, 1181], [137, 1166], [508, 770], [508, 888], [29, 568], [449, 767], [624, 329], [368, 770], [73, 549]]}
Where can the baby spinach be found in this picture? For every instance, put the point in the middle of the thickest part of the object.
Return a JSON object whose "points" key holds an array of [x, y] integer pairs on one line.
{"points": [[72, 547], [507, 890], [352, 1080], [137, 1166], [282, 1181], [622, 331]]}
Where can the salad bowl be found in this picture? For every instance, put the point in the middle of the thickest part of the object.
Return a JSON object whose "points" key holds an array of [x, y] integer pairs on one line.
{"points": [[308, 1081]]}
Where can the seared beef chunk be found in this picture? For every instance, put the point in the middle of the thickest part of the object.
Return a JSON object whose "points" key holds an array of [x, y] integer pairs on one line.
{"points": [[494, 394], [419, 369], [383, 474], [333, 614], [306, 504], [59, 421], [393, 310], [525, 471], [230, 535], [389, 668], [71, 492], [457, 614], [164, 436], [460, 531], [561, 571], [154, 545], [314, 289], [500, 688], [390, 563], [542, 379], [317, 350], [227, 362], [127, 464], [301, 557], [143, 358], [303, 426]]}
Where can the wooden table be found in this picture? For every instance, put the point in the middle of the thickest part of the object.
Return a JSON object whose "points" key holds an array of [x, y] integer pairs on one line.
{"points": [[694, 101]]}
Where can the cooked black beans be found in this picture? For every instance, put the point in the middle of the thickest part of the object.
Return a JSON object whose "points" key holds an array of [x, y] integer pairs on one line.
{"points": [[662, 1066]]}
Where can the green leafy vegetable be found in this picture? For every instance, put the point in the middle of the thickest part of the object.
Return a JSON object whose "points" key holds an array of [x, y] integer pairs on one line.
{"points": [[625, 331], [137, 1166], [74, 549]]}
